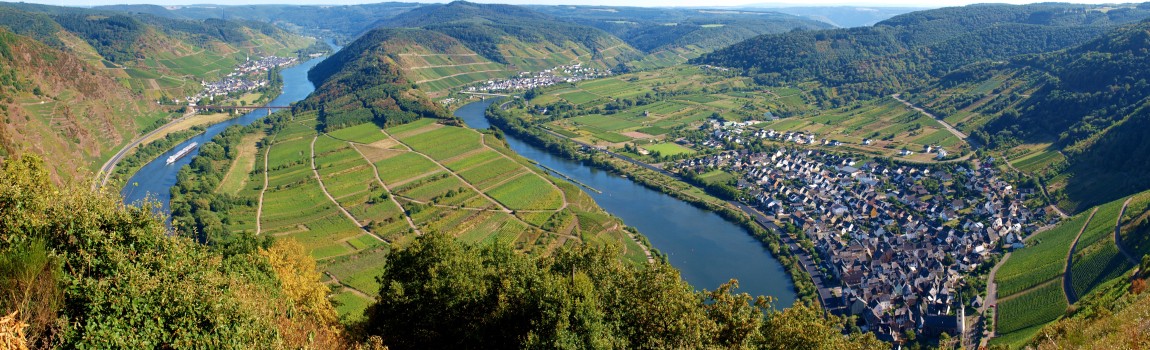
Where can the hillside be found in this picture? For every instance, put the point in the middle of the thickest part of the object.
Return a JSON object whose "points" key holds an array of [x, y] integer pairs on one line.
{"points": [[490, 41], [343, 22], [671, 35], [841, 16], [81, 83], [912, 49], [72, 113], [1074, 119]]}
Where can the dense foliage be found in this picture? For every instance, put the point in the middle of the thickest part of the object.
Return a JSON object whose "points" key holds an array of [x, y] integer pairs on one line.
{"points": [[88, 272], [654, 29], [119, 37], [911, 49], [1089, 101], [341, 22], [439, 293], [481, 27], [362, 84]]}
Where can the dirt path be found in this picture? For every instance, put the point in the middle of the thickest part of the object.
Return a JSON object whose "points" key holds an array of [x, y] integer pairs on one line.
{"points": [[348, 287], [319, 180], [260, 202], [563, 196], [410, 223], [458, 74], [946, 125], [451, 65], [502, 208], [1067, 286], [1118, 235]]}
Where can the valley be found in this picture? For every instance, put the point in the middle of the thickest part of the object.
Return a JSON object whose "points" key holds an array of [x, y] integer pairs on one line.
{"points": [[467, 175]]}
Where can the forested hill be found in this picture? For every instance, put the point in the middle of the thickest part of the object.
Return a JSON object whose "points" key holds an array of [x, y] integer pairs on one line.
{"points": [[341, 22], [911, 49], [685, 31], [483, 28], [1088, 102], [364, 83]]}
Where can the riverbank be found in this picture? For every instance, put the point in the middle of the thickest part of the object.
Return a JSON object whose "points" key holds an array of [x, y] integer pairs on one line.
{"points": [[655, 179], [172, 133]]}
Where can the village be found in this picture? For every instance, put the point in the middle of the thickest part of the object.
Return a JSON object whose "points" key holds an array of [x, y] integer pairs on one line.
{"points": [[893, 240], [248, 76], [528, 80]]}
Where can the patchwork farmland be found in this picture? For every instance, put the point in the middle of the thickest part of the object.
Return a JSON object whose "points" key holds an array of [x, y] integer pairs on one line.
{"points": [[352, 195]]}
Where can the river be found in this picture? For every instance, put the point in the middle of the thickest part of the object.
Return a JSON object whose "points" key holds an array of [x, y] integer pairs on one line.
{"points": [[706, 248], [155, 180]]}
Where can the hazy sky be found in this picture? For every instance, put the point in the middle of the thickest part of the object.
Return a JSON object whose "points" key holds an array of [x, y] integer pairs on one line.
{"points": [[910, 3]]}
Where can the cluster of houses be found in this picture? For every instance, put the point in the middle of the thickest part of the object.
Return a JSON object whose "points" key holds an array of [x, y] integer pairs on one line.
{"points": [[528, 80], [248, 76], [897, 239]]}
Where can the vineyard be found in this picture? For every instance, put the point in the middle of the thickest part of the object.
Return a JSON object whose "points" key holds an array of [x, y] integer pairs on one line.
{"points": [[1043, 259], [1043, 304]]}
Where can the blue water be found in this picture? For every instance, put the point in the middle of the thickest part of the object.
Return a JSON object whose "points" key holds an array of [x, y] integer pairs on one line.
{"points": [[155, 180], [706, 248]]}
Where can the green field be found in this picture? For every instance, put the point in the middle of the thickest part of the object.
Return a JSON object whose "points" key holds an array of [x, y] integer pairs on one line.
{"points": [[1096, 257], [428, 178], [1037, 307], [668, 149], [1042, 260], [1038, 161]]}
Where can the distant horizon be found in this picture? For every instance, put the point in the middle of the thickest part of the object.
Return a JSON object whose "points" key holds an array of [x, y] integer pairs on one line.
{"points": [[634, 3]]}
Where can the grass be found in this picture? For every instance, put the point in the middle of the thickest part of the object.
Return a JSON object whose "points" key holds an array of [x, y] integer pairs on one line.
{"points": [[245, 163], [363, 133], [403, 167], [612, 137], [653, 130], [528, 192], [350, 305], [717, 176], [1038, 161], [669, 149], [604, 123]]}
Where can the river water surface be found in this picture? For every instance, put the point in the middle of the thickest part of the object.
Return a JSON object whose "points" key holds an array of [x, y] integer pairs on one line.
{"points": [[706, 248]]}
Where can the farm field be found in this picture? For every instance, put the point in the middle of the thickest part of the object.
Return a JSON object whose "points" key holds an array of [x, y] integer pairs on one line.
{"points": [[1096, 258], [663, 104], [1037, 307], [644, 115], [1043, 259], [372, 190]]}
